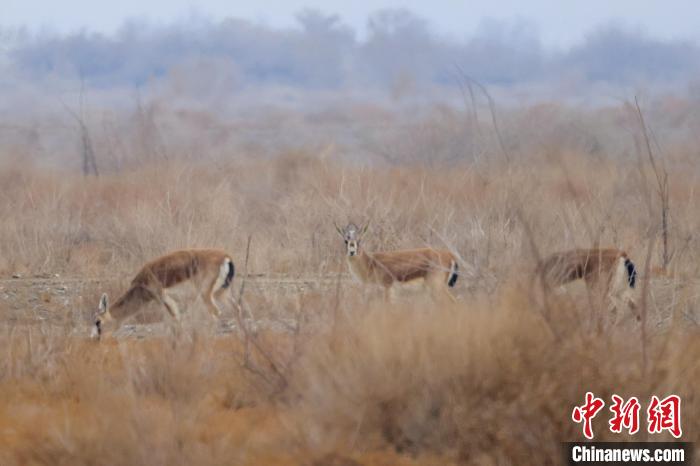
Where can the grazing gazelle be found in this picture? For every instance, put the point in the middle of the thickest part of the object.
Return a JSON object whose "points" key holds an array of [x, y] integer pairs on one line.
{"points": [[210, 271], [606, 270], [437, 268]]}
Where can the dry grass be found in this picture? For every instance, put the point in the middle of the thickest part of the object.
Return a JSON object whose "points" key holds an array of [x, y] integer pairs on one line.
{"points": [[63, 223], [481, 383], [485, 382]]}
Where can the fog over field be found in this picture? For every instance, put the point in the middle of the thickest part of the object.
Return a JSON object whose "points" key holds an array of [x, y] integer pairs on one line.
{"points": [[234, 81], [401, 55]]}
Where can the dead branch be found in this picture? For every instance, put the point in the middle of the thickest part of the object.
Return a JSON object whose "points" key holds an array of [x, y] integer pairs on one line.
{"points": [[662, 184], [643, 312], [275, 376], [87, 150], [471, 103], [538, 274], [492, 109]]}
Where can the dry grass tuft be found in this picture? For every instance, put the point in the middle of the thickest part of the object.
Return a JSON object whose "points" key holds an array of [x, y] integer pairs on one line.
{"points": [[476, 383]]}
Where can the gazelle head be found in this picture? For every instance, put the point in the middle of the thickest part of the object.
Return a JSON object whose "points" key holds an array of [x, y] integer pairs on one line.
{"points": [[352, 235], [100, 318]]}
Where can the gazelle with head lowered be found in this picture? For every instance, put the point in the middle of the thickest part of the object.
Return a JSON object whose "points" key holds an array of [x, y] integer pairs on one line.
{"points": [[609, 272], [437, 268], [210, 271]]}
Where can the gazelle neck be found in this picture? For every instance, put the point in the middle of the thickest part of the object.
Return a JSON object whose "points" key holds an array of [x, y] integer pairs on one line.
{"points": [[129, 302], [359, 265]]}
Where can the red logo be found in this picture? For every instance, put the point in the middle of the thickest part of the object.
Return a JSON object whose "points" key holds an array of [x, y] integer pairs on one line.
{"points": [[665, 415], [625, 415], [661, 415], [586, 412]]}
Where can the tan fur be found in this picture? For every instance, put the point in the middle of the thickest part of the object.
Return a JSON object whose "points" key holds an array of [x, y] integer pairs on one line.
{"points": [[433, 266], [385, 268], [603, 270], [589, 264], [206, 269]]}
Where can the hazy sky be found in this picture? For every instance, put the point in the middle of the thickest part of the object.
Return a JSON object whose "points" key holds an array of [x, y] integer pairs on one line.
{"points": [[560, 22]]}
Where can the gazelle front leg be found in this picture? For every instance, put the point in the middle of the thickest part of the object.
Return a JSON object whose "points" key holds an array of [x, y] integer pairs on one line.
{"points": [[598, 289], [388, 295], [171, 306], [175, 323]]}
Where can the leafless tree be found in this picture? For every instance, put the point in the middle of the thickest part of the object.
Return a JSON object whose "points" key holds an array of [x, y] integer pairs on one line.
{"points": [[86, 147]]}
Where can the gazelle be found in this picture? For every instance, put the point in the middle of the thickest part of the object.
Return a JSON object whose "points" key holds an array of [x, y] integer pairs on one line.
{"points": [[210, 271], [609, 271], [437, 268]]}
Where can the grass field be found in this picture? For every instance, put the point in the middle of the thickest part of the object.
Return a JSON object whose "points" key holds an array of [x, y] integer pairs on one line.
{"points": [[332, 375]]}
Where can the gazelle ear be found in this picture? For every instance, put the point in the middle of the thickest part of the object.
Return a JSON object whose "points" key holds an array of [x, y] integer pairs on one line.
{"points": [[364, 228], [338, 229], [104, 304]]}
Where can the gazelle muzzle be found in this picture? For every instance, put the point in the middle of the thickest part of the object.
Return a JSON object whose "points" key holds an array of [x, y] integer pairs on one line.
{"points": [[96, 331]]}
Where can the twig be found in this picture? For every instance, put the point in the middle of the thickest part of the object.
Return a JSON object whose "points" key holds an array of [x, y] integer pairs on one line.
{"points": [[661, 176], [88, 153], [643, 306], [546, 312], [492, 109], [239, 304], [245, 268], [250, 339], [470, 88]]}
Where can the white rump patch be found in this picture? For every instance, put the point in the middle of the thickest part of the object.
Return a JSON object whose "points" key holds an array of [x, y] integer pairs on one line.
{"points": [[223, 273], [621, 294]]}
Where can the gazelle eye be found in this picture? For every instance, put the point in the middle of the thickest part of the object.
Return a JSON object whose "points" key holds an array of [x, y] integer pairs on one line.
{"points": [[346, 241]]}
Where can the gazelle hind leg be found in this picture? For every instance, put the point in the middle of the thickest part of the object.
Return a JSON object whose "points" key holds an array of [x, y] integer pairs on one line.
{"points": [[217, 296], [441, 294], [626, 307], [621, 292], [221, 283], [439, 291], [445, 287], [449, 294], [613, 313], [209, 300]]}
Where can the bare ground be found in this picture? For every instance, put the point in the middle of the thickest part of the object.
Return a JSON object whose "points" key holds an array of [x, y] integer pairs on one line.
{"points": [[55, 300], [276, 301]]}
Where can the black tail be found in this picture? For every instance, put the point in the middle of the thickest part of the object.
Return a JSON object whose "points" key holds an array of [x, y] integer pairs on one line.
{"points": [[453, 275], [631, 272], [229, 276]]}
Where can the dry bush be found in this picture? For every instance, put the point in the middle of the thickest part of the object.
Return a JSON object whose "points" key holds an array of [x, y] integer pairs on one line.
{"points": [[483, 382], [62, 223], [480, 383], [127, 402]]}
